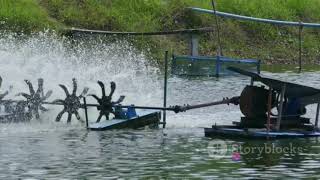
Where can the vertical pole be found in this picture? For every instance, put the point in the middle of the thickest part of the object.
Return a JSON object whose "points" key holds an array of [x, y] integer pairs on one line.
{"points": [[251, 82], [317, 116], [283, 90], [165, 89], [300, 48], [86, 112], [217, 65], [173, 65], [218, 29], [269, 111], [194, 45], [259, 67], [219, 49]]}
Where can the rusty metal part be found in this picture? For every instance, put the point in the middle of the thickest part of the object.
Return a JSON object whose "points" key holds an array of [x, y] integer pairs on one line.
{"points": [[254, 101]]}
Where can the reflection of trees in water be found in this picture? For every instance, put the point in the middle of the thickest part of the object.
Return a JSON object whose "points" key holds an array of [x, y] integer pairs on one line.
{"points": [[275, 152], [260, 156]]}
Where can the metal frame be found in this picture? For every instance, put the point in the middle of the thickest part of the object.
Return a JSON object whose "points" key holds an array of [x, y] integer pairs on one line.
{"points": [[301, 25], [317, 116], [261, 20], [217, 60]]}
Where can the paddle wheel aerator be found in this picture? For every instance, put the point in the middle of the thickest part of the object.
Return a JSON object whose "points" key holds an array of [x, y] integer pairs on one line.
{"points": [[32, 106]]}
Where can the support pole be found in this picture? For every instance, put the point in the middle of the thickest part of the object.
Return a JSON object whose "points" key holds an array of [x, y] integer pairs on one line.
{"points": [[283, 90], [173, 65], [217, 28], [251, 82], [86, 112], [219, 49], [217, 66], [194, 45], [165, 89], [269, 111], [300, 47], [317, 116]]}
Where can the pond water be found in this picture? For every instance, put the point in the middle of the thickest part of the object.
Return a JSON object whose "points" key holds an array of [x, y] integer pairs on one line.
{"points": [[49, 150]]}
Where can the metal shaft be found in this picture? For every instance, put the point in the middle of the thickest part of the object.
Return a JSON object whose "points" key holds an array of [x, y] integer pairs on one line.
{"points": [[233, 100]]}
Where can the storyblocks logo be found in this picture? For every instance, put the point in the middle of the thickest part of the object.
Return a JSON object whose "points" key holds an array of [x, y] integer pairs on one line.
{"points": [[218, 149]]}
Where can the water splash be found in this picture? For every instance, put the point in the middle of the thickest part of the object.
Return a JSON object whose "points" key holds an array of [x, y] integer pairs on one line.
{"points": [[58, 59]]}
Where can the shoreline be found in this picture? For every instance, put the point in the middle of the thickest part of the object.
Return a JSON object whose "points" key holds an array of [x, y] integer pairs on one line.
{"points": [[275, 44]]}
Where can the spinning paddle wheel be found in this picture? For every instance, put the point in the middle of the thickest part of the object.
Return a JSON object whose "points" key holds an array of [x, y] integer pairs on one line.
{"points": [[35, 99], [105, 102], [72, 102]]}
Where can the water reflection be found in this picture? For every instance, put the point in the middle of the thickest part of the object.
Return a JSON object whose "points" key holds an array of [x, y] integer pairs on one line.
{"points": [[173, 152], [54, 151]]}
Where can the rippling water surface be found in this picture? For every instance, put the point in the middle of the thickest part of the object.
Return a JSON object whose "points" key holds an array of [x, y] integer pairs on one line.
{"points": [[45, 149]]}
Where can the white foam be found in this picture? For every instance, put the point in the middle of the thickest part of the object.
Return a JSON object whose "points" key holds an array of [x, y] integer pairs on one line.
{"points": [[57, 60]]}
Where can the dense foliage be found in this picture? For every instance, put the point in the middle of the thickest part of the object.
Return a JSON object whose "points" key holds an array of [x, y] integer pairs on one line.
{"points": [[239, 39]]}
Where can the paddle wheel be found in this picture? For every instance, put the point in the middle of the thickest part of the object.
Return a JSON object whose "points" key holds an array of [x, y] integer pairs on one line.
{"points": [[71, 104], [105, 102], [35, 99], [32, 106]]}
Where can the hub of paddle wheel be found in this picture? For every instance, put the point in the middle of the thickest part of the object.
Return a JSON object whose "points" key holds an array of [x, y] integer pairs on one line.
{"points": [[72, 102], [105, 102]]}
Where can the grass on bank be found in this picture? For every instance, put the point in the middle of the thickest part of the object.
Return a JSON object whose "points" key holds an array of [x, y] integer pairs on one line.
{"points": [[24, 15], [239, 39]]}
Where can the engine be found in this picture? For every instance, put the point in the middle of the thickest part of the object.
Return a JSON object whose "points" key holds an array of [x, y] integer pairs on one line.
{"points": [[254, 106], [254, 101]]}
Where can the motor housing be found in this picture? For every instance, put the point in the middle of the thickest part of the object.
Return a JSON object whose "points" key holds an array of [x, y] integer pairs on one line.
{"points": [[254, 101]]}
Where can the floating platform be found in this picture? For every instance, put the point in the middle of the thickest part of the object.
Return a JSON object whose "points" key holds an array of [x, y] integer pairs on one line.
{"points": [[142, 119], [236, 132]]}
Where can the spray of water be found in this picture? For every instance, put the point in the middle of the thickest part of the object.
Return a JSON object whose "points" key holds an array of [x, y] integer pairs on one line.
{"points": [[57, 60]]}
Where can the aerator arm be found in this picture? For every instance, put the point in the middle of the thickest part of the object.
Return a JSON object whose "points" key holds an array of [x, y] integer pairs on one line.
{"points": [[234, 100]]}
